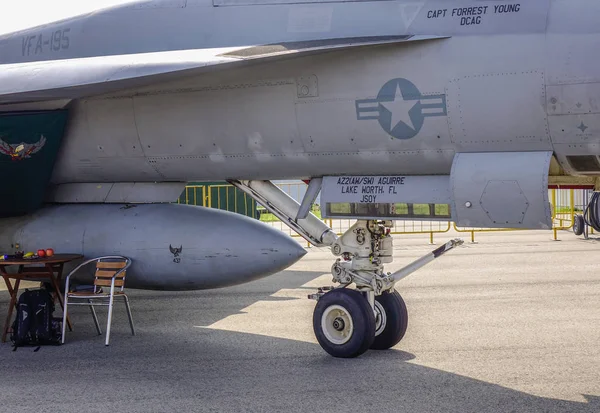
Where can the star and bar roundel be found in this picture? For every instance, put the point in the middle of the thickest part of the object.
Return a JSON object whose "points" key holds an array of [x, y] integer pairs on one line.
{"points": [[400, 108]]}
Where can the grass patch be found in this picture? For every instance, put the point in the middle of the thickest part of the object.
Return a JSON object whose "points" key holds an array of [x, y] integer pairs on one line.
{"points": [[400, 210], [268, 217], [423, 209], [567, 210]]}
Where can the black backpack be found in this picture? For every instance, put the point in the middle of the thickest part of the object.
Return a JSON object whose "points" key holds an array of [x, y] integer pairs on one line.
{"points": [[34, 324]]}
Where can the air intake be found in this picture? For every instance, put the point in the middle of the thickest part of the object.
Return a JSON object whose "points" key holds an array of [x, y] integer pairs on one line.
{"points": [[584, 163]]}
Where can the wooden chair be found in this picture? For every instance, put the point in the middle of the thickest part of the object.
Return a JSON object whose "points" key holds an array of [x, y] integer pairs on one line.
{"points": [[110, 272]]}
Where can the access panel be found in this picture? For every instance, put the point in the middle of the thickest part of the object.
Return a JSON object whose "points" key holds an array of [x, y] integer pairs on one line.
{"points": [[501, 190]]}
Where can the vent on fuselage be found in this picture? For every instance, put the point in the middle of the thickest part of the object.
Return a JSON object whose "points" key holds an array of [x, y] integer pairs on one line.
{"points": [[584, 163]]}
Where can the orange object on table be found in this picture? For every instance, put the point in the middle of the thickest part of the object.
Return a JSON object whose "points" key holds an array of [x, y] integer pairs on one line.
{"points": [[48, 269]]}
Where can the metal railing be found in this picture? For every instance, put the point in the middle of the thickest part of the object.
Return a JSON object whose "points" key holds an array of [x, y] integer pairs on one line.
{"points": [[563, 209], [230, 198], [193, 195], [220, 196]]}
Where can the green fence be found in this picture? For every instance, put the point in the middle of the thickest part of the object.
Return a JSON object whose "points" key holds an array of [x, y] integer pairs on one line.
{"points": [[219, 195]]}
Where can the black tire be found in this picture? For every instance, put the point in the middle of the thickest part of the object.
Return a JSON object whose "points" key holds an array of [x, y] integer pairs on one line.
{"points": [[578, 224], [396, 320], [362, 322]]}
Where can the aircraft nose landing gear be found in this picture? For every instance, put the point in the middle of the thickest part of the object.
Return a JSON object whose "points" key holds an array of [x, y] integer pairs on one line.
{"points": [[348, 322]]}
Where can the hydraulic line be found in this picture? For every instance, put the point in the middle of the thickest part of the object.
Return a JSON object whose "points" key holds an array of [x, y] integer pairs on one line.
{"points": [[591, 215]]}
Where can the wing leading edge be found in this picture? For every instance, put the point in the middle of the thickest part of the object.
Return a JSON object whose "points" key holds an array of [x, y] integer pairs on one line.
{"points": [[75, 78]]}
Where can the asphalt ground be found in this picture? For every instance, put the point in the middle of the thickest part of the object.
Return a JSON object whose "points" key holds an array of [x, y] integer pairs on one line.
{"points": [[510, 324]]}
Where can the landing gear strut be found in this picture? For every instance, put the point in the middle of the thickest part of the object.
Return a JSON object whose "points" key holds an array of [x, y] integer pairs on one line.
{"points": [[347, 322], [363, 250]]}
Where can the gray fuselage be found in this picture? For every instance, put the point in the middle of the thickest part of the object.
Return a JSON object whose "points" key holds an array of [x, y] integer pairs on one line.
{"points": [[510, 77]]}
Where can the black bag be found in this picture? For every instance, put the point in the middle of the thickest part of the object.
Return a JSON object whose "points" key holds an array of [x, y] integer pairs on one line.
{"points": [[34, 324]]}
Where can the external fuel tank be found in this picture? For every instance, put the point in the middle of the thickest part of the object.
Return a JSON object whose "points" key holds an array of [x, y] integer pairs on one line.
{"points": [[173, 247]]}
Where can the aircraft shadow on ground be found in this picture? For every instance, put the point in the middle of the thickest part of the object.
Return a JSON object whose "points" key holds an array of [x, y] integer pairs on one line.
{"points": [[222, 302], [172, 366], [228, 371]]}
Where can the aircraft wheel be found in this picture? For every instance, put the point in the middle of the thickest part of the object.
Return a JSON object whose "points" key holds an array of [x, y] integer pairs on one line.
{"points": [[578, 224], [391, 320], [344, 323]]}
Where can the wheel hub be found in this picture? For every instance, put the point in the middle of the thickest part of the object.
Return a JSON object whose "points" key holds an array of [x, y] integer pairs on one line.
{"points": [[380, 318], [337, 324]]}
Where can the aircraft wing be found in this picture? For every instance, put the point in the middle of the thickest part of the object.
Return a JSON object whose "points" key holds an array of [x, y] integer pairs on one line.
{"points": [[75, 78]]}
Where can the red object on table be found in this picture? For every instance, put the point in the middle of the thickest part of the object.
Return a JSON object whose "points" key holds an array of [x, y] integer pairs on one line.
{"points": [[49, 252], [34, 269], [41, 253]]}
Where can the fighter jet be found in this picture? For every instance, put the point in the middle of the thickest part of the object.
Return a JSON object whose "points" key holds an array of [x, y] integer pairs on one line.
{"points": [[473, 109]]}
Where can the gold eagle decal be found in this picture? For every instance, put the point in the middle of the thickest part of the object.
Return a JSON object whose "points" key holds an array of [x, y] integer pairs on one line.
{"points": [[20, 151]]}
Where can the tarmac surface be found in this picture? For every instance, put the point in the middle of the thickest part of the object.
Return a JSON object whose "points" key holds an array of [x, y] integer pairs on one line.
{"points": [[509, 324]]}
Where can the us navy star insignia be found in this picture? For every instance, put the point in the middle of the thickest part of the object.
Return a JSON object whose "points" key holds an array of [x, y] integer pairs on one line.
{"points": [[400, 108]]}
